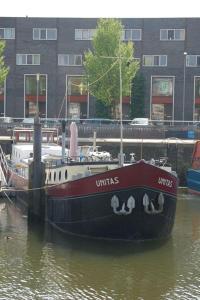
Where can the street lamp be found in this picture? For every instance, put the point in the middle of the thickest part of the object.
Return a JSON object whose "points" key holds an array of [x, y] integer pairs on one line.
{"points": [[184, 69], [88, 101], [37, 102]]}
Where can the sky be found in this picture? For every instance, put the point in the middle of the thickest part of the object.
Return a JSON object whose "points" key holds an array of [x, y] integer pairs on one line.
{"points": [[100, 8]]}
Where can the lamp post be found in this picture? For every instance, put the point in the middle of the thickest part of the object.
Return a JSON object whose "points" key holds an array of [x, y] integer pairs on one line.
{"points": [[67, 93], [88, 101], [184, 69], [37, 102]]}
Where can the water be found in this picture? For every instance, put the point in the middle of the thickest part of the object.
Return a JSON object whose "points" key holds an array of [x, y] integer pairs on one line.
{"points": [[42, 264]]}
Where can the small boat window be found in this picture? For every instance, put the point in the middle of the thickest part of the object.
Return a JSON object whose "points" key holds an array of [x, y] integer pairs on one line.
{"points": [[49, 176], [54, 176], [59, 175], [65, 174]]}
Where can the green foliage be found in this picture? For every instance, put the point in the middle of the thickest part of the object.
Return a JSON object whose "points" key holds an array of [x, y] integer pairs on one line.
{"points": [[137, 96], [102, 63], [102, 110], [3, 68]]}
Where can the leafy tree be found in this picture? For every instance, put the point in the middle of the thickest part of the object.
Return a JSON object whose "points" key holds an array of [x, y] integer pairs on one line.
{"points": [[102, 110], [3, 68], [137, 96], [102, 64]]}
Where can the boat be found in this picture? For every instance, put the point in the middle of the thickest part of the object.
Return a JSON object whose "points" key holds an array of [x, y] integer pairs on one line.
{"points": [[97, 198], [193, 173]]}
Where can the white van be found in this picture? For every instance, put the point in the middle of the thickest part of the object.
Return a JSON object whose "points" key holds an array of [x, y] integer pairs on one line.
{"points": [[140, 122]]}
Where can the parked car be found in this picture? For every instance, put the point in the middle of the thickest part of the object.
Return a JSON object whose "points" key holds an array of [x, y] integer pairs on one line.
{"points": [[6, 120], [140, 122], [28, 121]]}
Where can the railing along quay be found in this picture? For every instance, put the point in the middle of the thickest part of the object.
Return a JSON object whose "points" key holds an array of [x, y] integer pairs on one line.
{"points": [[145, 132], [177, 130]]}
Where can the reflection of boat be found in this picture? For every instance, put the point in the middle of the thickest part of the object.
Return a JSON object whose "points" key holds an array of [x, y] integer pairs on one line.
{"points": [[100, 199], [193, 174]]}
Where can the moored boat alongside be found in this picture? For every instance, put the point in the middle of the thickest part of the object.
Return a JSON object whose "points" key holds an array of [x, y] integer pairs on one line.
{"points": [[193, 174], [134, 202], [98, 198]]}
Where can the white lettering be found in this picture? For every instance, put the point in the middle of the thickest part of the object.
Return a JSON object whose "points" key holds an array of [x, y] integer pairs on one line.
{"points": [[107, 181], [165, 182]]}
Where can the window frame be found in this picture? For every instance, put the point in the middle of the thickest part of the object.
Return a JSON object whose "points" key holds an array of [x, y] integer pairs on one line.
{"points": [[154, 56], [196, 56], [174, 34], [37, 37], [173, 92], [67, 57], [132, 30], [45, 77], [26, 59], [80, 32], [4, 35]]}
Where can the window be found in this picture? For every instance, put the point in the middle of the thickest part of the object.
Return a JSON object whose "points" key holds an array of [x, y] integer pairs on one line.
{"points": [[132, 35], [28, 59], [69, 60], [31, 85], [197, 87], [76, 86], [172, 34], [84, 34], [7, 33], [196, 116], [162, 89], [44, 34], [35, 94], [193, 61], [154, 60]]}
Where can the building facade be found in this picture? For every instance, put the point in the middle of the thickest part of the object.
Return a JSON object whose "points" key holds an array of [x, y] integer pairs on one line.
{"points": [[45, 59]]}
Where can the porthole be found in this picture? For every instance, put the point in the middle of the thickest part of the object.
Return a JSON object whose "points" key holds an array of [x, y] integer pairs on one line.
{"points": [[59, 175], [66, 174], [54, 176]]}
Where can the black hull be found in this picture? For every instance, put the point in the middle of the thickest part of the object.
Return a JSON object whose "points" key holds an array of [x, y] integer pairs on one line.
{"points": [[94, 217], [136, 202]]}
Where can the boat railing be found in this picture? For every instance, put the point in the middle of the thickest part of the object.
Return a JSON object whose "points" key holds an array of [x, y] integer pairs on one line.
{"points": [[162, 161], [3, 165], [83, 160]]}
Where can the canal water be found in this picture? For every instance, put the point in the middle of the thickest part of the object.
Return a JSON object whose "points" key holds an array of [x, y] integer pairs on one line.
{"points": [[38, 263]]}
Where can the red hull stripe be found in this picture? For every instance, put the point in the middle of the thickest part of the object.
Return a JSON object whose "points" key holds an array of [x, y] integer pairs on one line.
{"points": [[140, 174], [194, 192]]}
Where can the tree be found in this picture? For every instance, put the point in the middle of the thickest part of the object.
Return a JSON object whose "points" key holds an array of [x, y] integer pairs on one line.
{"points": [[102, 110], [137, 96], [102, 64], [3, 68]]}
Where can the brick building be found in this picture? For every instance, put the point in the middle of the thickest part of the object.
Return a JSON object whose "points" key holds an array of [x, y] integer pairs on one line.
{"points": [[45, 57]]}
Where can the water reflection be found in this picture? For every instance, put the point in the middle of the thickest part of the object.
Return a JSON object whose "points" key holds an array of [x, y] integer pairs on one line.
{"points": [[40, 263], [84, 269]]}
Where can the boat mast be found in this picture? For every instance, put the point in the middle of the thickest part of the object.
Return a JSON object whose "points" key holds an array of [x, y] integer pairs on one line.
{"points": [[119, 58], [121, 154], [36, 203]]}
